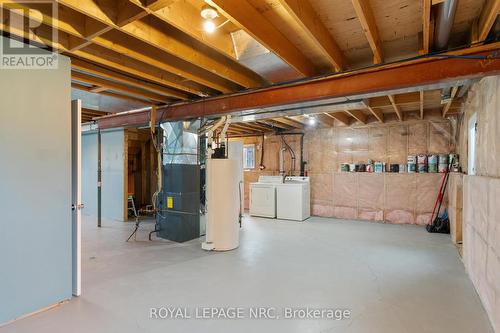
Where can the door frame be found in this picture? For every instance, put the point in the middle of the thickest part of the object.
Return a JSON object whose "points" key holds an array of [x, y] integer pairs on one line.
{"points": [[76, 193]]}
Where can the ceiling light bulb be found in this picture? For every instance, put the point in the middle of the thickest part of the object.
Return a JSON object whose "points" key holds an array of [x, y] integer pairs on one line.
{"points": [[209, 26], [312, 121]]}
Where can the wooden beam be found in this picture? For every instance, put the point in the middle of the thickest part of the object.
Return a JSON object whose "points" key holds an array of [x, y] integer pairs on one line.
{"points": [[245, 15], [421, 104], [154, 32], [358, 115], [447, 106], [81, 77], [91, 68], [304, 14], [111, 94], [116, 61], [396, 107], [185, 16], [403, 75], [487, 18], [290, 122], [98, 89], [155, 5], [367, 20], [426, 26], [340, 116]]}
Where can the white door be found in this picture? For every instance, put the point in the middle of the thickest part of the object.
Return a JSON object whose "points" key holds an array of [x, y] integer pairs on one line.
{"points": [[76, 181]]}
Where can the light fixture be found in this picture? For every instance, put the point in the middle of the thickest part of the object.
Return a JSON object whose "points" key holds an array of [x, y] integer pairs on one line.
{"points": [[311, 121], [209, 26], [209, 13]]}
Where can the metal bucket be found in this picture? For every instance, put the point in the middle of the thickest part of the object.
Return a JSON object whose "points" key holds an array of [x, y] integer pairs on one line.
{"points": [[422, 168], [443, 167], [432, 159], [412, 159], [443, 159], [422, 159]]}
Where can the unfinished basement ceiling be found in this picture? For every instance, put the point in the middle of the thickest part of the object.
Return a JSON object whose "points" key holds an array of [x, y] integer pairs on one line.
{"points": [[137, 50]]}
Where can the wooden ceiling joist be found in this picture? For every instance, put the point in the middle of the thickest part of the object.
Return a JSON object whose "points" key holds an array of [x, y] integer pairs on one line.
{"points": [[375, 112], [150, 30], [304, 14], [111, 94], [396, 107], [102, 83], [486, 20], [290, 122], [426, 26], [116, 61], [340, 116], [447, 106], [367, 20], [90, 68], [242, 13], [358, 115]]}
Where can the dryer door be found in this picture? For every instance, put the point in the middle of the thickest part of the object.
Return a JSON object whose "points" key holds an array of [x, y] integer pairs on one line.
{"points": [[263, 200]]}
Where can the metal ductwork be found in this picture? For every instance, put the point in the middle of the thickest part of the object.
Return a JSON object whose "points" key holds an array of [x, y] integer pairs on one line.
{"points": [[445, 15]]}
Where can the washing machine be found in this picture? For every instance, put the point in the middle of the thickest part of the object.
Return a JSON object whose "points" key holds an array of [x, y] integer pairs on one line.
{"points": [[263, 196], [293, 200]]}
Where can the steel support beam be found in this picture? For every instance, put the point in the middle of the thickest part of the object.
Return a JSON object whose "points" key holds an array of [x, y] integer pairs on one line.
{"points": [[414, 73]]}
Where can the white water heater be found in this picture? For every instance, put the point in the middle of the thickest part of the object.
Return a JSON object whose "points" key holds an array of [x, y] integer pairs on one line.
{"points": [[223, 204]]}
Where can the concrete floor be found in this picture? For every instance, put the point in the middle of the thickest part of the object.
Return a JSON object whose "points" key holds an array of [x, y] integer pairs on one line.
{"points": [[394, 278]]}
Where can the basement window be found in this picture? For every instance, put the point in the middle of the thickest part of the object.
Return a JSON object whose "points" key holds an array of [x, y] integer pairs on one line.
{"points": [[248, 156]]}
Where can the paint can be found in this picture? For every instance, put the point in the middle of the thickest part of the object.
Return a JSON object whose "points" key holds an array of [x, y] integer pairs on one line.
{"points": [[411, 167], [344, 167], [432, 168], [361, 167], [432, 159], [422, 159], [422, 168], [402, 168], [453, 158], [369, 168], [352, 167], [395, 168], [443, 159], [412, 159], [379, 167], [443, 167]]}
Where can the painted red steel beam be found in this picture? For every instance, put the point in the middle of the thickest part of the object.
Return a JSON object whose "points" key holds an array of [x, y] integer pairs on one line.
{"points": [[388, 77]]}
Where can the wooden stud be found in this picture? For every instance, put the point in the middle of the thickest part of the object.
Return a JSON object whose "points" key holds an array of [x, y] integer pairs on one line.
{"points": [[304, 14], [396, 107], [290, 122], [421, 104], [111, 94], [244, 14], [377, 113], [367, 20]]}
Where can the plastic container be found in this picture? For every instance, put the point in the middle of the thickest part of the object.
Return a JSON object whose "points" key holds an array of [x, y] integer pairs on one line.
{"points": [[344, 167], [422, 159], [422, 168], [412, 167], [432, 168], [379, 167]]}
